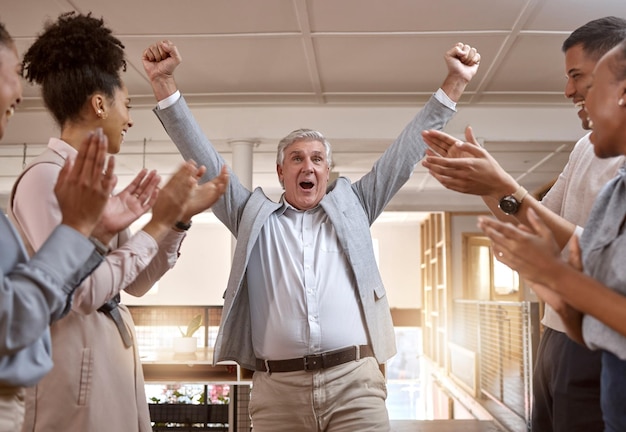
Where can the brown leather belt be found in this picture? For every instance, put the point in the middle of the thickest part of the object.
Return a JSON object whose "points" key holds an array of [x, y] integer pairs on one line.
{"points": [[10, 390], [315, 361]]}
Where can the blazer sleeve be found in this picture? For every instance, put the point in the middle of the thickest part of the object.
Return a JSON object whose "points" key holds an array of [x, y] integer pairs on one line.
{"points": [[36, 292], [185, 132], [396, 165]]}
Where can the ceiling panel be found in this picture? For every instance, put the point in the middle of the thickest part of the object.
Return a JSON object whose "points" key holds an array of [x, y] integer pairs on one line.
{"points": [[393, 64], [566, 15], [412, 15], [235, 65], [358, 70], [196, 17], [526, 67]]}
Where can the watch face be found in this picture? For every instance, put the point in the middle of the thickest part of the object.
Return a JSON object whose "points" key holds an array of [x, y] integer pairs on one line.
{"points": [[509, 205]]}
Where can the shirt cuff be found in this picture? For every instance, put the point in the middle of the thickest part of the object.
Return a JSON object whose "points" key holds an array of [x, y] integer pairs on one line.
{"points": [[173, 98], [440, 95]]}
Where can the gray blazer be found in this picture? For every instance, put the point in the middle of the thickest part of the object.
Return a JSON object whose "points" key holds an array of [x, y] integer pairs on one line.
{"points": [[352, 208], [33, 293]]}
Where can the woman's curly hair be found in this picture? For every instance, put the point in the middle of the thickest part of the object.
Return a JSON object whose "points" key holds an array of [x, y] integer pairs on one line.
{"points": [[72, 59]]}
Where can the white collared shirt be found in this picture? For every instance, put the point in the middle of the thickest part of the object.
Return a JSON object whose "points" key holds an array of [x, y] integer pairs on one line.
{"points": [[303, 296]]}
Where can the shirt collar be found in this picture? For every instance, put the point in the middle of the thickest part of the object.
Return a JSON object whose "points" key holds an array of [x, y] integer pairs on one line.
{"points": [[286, 206], [62, 148]]}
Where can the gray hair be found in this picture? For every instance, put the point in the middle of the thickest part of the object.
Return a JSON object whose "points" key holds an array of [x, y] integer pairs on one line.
{"points": [[302, 135]]}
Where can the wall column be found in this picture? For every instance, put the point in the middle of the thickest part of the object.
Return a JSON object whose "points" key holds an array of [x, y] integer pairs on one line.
{"points": [[242, 165]]}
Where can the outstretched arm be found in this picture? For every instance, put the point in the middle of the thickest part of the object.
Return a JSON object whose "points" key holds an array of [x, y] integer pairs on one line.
{"points": [[467, 167], [160, 60], [398, 162]]}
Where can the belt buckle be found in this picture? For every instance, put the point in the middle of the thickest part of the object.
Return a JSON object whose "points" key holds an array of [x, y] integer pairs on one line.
{"points": [[312, 360]]}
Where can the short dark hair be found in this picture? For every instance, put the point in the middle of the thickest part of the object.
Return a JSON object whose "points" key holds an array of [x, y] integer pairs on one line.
{"points": [[72, 59], [597, 37]]}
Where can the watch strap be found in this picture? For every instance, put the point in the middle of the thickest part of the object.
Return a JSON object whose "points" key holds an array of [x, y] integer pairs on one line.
{"points": [[520, 194]]}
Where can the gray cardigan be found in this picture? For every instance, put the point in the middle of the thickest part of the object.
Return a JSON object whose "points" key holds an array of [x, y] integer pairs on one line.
{"points": [[352, 208]]}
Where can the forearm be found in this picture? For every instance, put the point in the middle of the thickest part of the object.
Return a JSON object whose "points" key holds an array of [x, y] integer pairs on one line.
{"points": [[164, 260], [163, 87], [397, 163], [185, 132], [591, 297], [494, 207], [36, 292], [25, 309], [454, 86], [119, 269], [573, 321], [562, 230]]}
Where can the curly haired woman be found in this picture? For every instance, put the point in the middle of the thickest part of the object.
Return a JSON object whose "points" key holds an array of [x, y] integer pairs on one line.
{"points": [[97, 383]]}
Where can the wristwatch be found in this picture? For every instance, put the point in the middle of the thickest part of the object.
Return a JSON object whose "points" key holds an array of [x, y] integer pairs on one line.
{"points": [[509, 204]]}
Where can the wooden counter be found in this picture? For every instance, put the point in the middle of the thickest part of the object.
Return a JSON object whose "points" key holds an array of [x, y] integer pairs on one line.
{"points": [[167, 366]]}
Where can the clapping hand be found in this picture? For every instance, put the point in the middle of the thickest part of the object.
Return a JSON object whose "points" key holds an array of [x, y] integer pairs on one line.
{"points": [[465, 167], [128, 205], [206, 194], [83, 186], [531, 251]]}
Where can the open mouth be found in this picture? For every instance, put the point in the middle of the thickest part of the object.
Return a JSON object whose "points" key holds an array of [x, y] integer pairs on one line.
{"points": [[306, 185]]}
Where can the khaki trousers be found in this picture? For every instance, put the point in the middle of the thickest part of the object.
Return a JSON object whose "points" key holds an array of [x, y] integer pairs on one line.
{"points": [[11, 409], [345, 398]]}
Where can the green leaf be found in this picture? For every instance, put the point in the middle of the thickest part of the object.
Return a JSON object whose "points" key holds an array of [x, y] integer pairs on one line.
{"points": [[193, 326]]}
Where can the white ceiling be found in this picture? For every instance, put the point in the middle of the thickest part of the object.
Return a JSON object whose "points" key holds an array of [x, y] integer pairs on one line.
{"points": [[357, 70]]}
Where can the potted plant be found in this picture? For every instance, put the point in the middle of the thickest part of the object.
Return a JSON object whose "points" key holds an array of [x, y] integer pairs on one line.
{"points": [[187, 342]]}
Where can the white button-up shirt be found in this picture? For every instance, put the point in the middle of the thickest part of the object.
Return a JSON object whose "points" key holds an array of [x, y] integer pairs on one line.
{"points": [[305, 300]]}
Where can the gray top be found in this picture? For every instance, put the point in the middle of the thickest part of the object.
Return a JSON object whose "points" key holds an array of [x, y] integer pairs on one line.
{"points": [[603, 246], [34, 293]]}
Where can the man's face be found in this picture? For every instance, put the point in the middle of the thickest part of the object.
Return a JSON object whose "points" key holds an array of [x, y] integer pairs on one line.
{"points": [[579, 70], [304, 173]]}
